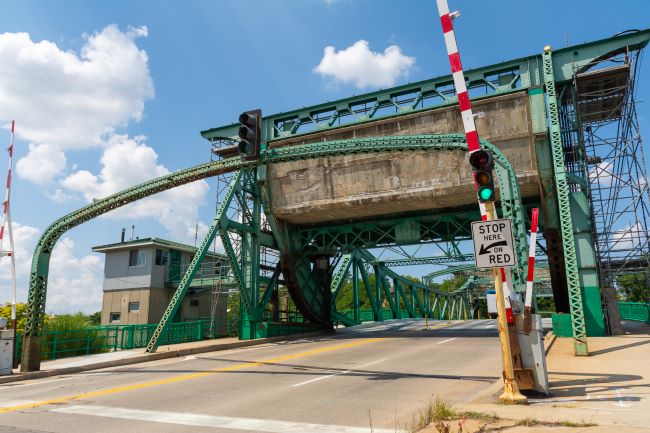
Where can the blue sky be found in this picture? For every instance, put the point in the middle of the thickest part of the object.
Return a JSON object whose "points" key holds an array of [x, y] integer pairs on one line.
{"points": [[159, 72]]}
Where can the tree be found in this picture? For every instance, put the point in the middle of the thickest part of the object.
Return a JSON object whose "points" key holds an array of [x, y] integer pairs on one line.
{"points": [[635, 287], [96, 318], [21, 314]]}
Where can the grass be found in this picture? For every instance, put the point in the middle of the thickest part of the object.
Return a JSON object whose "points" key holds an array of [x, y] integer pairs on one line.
{"points": [[440, 410], [530, 422]]}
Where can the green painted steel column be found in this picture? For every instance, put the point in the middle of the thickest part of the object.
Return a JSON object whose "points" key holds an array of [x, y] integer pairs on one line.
{"points": [[588, 274], [566, 223], [355, 290]]}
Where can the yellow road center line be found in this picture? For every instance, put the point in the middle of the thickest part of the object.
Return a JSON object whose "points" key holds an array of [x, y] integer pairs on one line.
{"points": [[136, 386]]}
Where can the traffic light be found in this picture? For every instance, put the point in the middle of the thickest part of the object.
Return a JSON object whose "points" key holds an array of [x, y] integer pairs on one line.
{"points": [[250, 135], [483, 164]]}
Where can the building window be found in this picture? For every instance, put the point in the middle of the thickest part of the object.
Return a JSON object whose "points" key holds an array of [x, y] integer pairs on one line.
{"points": [[115, 317], [194, 302], [134, 307], [162, 257], [136, 258]]}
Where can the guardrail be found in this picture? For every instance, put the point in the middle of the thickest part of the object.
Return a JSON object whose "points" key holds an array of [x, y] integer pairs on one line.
{"points": [[637, 311], [100, 339]]}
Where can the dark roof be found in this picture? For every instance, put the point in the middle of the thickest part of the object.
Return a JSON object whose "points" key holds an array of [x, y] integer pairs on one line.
{"points": [[153, 242]]}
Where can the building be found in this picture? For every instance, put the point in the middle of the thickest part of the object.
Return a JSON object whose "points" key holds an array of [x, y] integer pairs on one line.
{"points": [[140, 277]]}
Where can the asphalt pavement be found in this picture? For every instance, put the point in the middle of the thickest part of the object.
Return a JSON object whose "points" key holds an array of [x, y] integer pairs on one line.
{"points": [[362, 379]]}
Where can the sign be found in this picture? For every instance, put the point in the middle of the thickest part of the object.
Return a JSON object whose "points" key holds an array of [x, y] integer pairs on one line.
{"points": [[493, 244]]}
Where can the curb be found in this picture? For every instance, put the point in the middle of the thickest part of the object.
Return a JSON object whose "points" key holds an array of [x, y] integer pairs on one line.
{"points": [[156, 356]]}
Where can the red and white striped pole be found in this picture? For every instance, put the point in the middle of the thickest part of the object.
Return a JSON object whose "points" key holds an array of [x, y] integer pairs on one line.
{"points": [[6, 221], [469, 126], [511, 392], [528, 309]]}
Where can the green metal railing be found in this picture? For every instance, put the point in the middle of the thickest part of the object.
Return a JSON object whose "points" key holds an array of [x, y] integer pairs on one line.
{"points": [[637, 311], [100, 339]]}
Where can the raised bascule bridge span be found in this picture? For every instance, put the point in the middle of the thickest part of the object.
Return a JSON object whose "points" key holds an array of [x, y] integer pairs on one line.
{"points": [[339, 181]]}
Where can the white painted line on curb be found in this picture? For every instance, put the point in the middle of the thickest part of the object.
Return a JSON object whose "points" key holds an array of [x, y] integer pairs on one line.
{"points": [[444, 341], [226, 422], [336, 374]]}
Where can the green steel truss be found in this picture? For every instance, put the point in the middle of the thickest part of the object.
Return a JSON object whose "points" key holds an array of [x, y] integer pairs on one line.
{"points": [[566, 223], [288, 239], [393, 296], [524, 73], [500, 78]]}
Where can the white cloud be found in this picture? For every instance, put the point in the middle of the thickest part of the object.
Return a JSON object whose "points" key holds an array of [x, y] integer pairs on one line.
{"points": [[602, 172], [364, 68], [59, 196], [42, 163], [74, 283], [127, 162], [24, 241], [632, 237], [67, 100]]}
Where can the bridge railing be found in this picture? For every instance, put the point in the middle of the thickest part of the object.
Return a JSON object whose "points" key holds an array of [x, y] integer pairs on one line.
{"points": [[101, 339], [636, 311]]}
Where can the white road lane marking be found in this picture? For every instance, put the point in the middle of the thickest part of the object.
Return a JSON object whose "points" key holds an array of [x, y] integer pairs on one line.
{"points": [[183, 418], [444, 341], [12, 385], [336, 374]]}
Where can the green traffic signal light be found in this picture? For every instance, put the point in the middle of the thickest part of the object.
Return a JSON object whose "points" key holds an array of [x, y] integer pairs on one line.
{"points": [[486, 194]]}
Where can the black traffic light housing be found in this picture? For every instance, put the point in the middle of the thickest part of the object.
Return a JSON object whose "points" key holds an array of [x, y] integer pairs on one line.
{"points": [[250, 135], [483, 164]]}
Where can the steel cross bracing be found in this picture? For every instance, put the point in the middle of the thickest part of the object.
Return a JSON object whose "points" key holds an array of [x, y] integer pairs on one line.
{"points": [[392, 296], [615, 167], [566, 224]]}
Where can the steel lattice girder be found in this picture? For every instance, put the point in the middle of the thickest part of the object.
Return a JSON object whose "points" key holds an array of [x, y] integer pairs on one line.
{"points": [[419, 299], [497, 79], [511, 203], [566, 223]]}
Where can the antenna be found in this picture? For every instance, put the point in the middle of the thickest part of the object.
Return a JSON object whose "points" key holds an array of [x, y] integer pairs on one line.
{"points": [[6, 221]]}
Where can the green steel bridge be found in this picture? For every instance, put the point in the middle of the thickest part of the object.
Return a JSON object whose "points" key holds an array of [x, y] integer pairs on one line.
{"points": [[569, 93]]}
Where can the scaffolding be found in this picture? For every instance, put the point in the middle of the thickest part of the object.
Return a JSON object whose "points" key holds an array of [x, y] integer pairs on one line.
{"points": [[604, 159], [614, 165]]}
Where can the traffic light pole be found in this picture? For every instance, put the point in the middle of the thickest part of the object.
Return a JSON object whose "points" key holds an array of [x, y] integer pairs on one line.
{"points": [[511, 394], [478, 157]]}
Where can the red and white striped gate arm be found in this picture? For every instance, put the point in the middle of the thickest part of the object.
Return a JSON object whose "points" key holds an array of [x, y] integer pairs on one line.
{"points": [[459, 77], [5, 205], [531, 259], [469, 126]]}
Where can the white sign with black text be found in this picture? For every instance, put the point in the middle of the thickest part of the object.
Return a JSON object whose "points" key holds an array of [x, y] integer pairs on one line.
{"points": [[494, 246]]}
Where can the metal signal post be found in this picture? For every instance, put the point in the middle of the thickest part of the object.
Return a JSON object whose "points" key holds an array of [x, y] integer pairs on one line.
{"points": [[483, 164]]}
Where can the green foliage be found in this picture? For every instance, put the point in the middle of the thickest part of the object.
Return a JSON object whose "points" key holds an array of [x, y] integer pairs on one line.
{"points": [[453, 283], [21, 314], [345, 298], [634, 287], [96, 318]]}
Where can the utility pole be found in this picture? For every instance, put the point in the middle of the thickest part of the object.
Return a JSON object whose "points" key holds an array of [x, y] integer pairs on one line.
{"points": [[482, 163]]}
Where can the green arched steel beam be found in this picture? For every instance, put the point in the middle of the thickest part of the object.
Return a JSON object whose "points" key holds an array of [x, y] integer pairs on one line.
{"points": [[510, 197]]}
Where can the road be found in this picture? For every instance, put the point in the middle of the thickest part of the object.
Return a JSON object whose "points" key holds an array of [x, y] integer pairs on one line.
{"points": [[380, 375]]}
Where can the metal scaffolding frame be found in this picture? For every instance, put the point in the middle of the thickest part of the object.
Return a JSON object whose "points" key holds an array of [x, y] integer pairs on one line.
{"points": [[615, 165]]}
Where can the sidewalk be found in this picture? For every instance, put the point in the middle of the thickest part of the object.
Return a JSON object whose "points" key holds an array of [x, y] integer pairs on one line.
{"points": [[609, 388], [126, 357]]}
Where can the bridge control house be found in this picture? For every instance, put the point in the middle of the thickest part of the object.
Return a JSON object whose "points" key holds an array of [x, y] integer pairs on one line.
{"points": [[140, 277]]}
